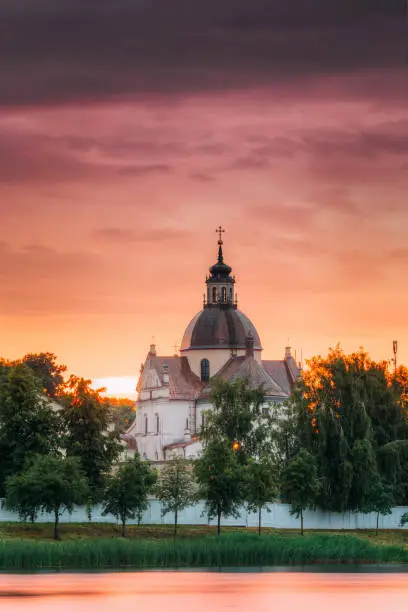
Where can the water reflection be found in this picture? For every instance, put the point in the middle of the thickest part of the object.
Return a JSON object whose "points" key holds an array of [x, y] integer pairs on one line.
{"points": [[205, 592]]}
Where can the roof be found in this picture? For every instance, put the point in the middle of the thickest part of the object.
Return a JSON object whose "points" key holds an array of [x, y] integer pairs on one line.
{"points": [[217, 326], [284, 372], [172, 372], [249, 369]]}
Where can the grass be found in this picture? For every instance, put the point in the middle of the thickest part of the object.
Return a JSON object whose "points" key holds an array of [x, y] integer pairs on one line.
{"points": [[234, 548]]}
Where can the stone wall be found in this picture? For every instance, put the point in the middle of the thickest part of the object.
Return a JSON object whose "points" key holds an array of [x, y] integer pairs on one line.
{"points": [[279, 517]]}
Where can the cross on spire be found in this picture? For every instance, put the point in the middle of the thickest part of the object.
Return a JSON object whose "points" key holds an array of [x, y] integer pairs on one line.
{"points": [[220, 231]]}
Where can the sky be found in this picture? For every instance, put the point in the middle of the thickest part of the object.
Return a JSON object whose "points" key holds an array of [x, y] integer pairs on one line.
{"points": [[130, 130]]}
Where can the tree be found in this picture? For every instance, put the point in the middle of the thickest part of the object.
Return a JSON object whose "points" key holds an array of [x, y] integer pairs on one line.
{"points": [[54, 484], [382, 500], [28, 424], [88, 422], [260, 485], [237, 417], [220, 480], [127, 490], [344, 408], [175, 487], [300, 484], [46, 369], [123, 413]]}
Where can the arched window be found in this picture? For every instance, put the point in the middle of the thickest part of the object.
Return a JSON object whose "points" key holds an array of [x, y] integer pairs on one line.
{"points": [[230, 294], [146, 424], [205, 370], [157, 423], [214, 295], [223, 295]]}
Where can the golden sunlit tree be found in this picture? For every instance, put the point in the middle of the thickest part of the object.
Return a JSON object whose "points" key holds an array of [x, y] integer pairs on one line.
{"points": [[344, 411]]}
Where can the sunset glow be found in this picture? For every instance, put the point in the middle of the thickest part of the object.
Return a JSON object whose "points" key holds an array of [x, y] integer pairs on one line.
{"points": [[118, 161], [117, 386]]}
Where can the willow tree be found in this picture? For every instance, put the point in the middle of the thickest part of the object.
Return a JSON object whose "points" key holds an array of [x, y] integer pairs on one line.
{"points": [[342, 411]]}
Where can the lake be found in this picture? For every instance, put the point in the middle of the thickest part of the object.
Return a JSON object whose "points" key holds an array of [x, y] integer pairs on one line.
{"points": [[200, 591]]}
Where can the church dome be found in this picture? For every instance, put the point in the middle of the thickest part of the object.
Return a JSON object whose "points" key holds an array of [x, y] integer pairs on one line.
{"points": [[214, 328]]}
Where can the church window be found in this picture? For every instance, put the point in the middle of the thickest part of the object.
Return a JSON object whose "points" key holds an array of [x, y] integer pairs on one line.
{"points": [[157, 423], [223, 295], [230, 294], [146, 424], [214, 294], [205, 370]]}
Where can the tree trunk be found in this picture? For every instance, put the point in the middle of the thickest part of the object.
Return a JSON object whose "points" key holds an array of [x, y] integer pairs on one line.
{"points": [[124, 528], [378, 518], [259, 519], [56, 525], [219, 521], [301, 522], [175, 521]]}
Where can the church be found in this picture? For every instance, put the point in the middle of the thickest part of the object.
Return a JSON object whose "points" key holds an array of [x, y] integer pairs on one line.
{"points": [[219, 342]]}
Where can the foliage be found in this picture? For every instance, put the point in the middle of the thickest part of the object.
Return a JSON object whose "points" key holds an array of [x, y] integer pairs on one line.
{"points": [[175, 487], [404, 519], [237, 417], [261, 487], [127, 490], [53, 484], [123, 413], [28, 424], [220, 480], [300, 484], [344, 411], [380, 499], [89, 438], [233, 550], [46, 369]]}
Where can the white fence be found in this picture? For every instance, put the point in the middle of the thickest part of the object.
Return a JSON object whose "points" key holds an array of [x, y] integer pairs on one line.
{"points": [[279, 517]]}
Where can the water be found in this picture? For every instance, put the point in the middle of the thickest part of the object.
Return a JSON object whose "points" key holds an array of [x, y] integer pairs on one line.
{"points": [[286, 591]]}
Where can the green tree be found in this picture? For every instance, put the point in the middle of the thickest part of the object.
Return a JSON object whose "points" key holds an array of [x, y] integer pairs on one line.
{"points": [[220, 480], [54, 484], [380, 500], [89, 434], [238, 417], [28, 423], [344, 409], [123, 413], [48, 371], [175, 488], [128, 489], [300, 484], [261, 485]]}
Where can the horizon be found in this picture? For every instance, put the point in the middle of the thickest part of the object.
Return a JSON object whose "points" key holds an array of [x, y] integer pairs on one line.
{"points": [[122, 154]]}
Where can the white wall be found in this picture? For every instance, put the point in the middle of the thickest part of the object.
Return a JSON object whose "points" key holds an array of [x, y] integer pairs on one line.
{"points": [[172, 423], [279, 517], [216, 357]]}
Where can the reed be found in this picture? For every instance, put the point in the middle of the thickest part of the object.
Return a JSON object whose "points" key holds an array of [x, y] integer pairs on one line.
{"points": [[232, 550]]}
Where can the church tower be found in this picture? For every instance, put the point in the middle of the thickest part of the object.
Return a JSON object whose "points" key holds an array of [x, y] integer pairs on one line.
{"points": [[220, 283], [219, 331]]}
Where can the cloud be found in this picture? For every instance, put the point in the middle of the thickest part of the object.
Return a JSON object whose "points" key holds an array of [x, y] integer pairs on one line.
{"points": [[145, 169], [117, 235], [94, 50]]}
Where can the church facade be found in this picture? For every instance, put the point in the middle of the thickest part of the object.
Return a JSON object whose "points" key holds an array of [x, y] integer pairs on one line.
{"points": [[219, 342]]}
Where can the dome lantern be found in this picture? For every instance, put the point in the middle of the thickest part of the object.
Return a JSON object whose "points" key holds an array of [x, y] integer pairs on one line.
{"points": [[220, 283]]}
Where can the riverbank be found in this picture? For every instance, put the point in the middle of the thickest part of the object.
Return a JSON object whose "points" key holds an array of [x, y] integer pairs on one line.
{"points": [[230, 550], [89, 530]]}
